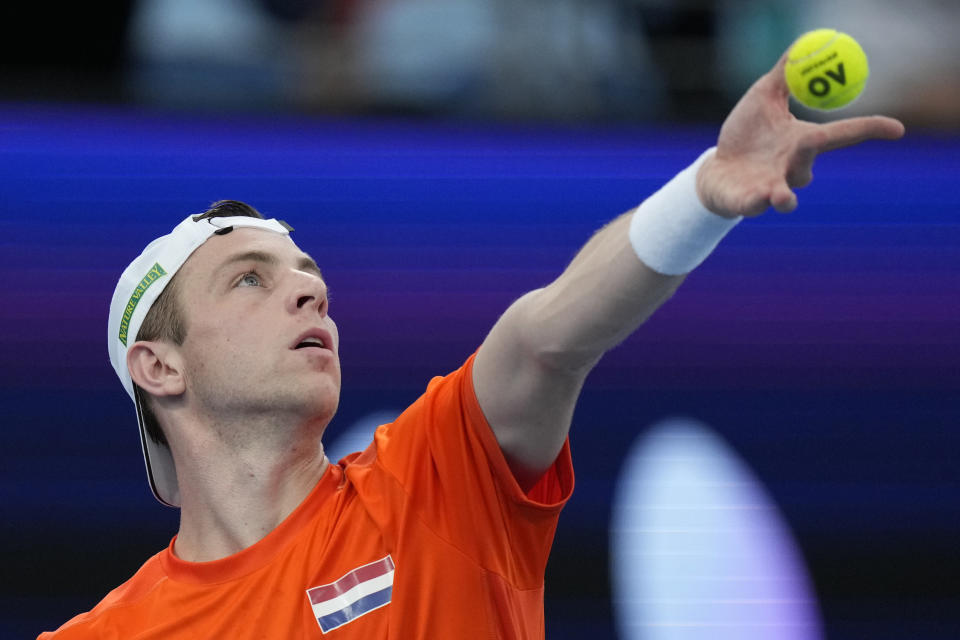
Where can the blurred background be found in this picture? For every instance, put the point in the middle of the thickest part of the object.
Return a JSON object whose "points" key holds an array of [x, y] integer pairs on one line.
{"points": [[439, 159], [569, 60]]}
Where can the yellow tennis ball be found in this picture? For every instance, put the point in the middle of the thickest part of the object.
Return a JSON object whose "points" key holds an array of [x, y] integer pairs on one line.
{"points": [[826, 69]]}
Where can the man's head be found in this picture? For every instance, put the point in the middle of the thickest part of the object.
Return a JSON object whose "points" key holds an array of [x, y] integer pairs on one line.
{"points": [[219, 307]]}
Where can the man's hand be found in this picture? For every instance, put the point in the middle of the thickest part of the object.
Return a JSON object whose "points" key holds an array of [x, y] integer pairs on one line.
{"points": [[764, 152]]}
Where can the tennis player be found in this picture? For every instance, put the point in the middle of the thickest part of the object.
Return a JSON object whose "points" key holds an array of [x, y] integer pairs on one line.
{"points": [[222, 335]]}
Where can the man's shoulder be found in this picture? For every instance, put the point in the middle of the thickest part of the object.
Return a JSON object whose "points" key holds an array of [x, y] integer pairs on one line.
{"points": [[94, 623]]}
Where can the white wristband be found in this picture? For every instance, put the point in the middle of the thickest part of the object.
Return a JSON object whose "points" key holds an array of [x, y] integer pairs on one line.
{"points": [[671, 231]]}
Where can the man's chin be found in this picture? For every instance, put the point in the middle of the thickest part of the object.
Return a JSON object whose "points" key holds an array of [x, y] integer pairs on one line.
{"points": [[326, 414], [322, 407]]}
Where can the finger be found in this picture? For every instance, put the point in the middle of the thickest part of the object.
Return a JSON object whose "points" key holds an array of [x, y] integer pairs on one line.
{"points": [[800, 175], [775, 80], [783, 199], [799, 169], [850, 131]]}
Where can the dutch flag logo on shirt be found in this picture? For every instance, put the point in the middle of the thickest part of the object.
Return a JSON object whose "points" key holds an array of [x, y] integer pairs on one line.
{"points": [[358, 592]]}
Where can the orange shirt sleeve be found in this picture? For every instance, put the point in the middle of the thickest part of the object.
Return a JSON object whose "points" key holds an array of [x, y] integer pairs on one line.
{"points": [[443, 453]]}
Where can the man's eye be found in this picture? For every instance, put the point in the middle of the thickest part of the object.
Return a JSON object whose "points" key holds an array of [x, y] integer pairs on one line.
{"points": [[250, 279]]}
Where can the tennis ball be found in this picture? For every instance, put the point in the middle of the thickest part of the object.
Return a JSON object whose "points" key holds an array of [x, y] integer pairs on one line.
{"points": [[826, 69]]}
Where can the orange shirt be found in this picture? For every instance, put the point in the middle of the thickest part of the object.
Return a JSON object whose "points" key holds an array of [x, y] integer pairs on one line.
{"points": [[425, 534]]}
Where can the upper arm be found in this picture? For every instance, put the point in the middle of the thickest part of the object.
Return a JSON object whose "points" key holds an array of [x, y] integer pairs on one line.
{"points": [[527, 402]]}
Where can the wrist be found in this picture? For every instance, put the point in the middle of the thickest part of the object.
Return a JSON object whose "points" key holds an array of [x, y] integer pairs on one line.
{"points": [[673, 231], [708, 203]]}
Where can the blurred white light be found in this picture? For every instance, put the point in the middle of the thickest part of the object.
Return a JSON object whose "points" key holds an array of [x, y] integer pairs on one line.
{"points": [[358, 435], [698, 549]]}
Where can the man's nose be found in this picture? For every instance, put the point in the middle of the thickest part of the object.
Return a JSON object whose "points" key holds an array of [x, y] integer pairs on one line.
{"points": [[309, 292]]}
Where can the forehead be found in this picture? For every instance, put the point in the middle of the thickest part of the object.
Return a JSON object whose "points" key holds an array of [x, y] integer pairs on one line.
{"points": [[219, 249]]}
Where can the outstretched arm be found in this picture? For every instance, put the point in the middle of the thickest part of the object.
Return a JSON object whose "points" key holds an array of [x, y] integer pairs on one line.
{"points": [[530, 368]]}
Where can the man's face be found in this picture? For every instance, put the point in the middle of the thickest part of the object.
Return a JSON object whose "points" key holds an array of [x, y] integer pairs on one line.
{"points": [[260, 344]]}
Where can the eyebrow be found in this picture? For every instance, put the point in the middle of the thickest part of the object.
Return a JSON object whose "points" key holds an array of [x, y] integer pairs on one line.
{"points": [[304, 262]]}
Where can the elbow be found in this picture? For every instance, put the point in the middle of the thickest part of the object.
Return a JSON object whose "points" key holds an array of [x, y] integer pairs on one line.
{"points": [[549, 338]]}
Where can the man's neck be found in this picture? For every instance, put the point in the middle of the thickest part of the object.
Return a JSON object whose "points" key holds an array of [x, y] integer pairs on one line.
{"points": [[233, 495]]}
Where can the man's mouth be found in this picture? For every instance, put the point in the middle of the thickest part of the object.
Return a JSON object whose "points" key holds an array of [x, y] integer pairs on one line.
{"points": [[314, 339]]}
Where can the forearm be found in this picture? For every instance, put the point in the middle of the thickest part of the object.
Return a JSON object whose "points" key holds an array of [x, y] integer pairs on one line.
{"points": [[621, 276], [603, 295], [529, 370]]}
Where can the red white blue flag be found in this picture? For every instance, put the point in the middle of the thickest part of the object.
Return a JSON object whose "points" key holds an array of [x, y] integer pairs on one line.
{"points": [[358, 592]]}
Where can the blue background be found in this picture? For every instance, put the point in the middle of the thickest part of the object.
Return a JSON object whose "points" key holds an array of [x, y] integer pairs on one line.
{"points": [[822, 345]]}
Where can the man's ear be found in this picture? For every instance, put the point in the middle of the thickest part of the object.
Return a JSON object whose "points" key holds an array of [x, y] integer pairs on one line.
{"points": [[156, 368]]}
